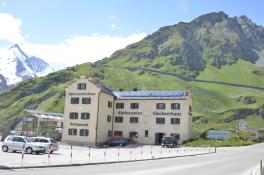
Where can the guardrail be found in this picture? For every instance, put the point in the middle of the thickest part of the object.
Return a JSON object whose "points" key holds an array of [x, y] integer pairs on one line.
{"points": [[74, 155]]}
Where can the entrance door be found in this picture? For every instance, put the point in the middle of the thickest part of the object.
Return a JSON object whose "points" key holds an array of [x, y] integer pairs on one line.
{"points": [[158, 138]]}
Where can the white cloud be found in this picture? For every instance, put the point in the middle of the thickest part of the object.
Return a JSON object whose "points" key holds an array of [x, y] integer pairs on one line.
{"points": [[73, 50], [10, 28], [80, 49], [114, 27]]}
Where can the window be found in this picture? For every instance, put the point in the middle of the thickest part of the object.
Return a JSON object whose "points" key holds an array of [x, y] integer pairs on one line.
{"points": [[84, 132], [110, 104], [74, 100], [109, 134], [133, 134], [175, 121], [190, 108], [160, 106], [175, 106], [134, 105], [160, 120], [19, 139], [81, 86], [118, 133], [86, 100], [85, 116], [133, 119], [44, 141], [146, 133], [72, 131], [109, 118], [119, 119], [119, 105], [73, 115]]}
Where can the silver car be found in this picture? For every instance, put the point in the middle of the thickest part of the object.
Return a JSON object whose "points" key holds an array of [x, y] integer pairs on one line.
{"points": [[18, 143], [48, 143]]}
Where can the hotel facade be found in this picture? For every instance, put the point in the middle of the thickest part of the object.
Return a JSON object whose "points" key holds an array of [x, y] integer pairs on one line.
{"points": [[94, 113]]}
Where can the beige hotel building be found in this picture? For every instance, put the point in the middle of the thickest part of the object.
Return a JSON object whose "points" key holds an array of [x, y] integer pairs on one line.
{"points": [[94, 113]]}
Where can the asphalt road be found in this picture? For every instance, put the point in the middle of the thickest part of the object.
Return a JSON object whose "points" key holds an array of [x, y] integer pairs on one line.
{"points": [[227, 161]]}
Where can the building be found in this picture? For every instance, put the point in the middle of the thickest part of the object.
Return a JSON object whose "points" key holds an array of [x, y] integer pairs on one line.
{"points": [[94, 113]]}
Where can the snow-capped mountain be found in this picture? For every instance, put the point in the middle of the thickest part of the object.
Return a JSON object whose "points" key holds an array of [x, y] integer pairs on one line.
{"points": [[16, 66]]}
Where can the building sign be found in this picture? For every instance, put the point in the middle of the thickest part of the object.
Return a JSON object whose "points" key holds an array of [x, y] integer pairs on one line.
{"points": [[218, 134], [154, 113], [167, 113], [87, 93], [79, 124], [129, 113], [242, 124]]}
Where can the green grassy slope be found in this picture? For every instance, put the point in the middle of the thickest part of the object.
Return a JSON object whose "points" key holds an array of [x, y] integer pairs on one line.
{"points": [[214, 105]]}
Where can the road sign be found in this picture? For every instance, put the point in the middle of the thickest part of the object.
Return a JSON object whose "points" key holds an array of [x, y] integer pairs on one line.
{"points": [[242, 124], [218, 134]]}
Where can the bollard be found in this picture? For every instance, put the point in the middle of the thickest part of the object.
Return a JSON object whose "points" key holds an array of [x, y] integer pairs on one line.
{"points": [[71, 154], [118, 154], [104, 152], [141, 153], [169, 151], [89, 153], [215, 149], [151, 152], [161, 152], [22, 157], [130, 153], [49, 154], [261, 168]]}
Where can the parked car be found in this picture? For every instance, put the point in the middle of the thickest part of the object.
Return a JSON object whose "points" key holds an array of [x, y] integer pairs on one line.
{"points": [[119, 142], [168, 141], [47, 142], [18, 143]]}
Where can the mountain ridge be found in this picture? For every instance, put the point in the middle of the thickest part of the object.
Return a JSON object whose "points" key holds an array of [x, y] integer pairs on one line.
{"points": [[215, 39], [17, 66]]}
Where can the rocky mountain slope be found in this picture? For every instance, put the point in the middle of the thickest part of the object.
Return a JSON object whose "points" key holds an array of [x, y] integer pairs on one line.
{"points": [[211, 39], [16, 66], [211, 47]]}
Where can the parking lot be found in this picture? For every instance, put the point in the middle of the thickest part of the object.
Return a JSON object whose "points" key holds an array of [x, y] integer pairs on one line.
{"points": [[81, 155]]}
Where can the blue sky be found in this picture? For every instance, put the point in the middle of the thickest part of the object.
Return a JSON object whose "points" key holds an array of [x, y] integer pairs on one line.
{"points": [[87, 27]]}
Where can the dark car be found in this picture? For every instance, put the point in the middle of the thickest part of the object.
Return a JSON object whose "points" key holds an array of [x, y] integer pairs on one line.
{"points": [[122, 142], [168, 141]]}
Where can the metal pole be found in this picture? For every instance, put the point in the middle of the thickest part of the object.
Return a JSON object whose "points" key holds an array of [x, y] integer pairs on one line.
{"points": [[49, 154], [261, 168], [141, 153], [38, 127], [104, 152], [89, 154], [22, 158], [71, 154]]}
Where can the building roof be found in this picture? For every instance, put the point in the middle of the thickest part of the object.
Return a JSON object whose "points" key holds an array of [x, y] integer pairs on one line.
{"points": [[106, 90], [151, 94], [46, 115]]}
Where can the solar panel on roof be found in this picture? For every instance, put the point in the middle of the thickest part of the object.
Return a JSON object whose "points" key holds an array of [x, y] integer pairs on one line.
{"points": [[150, 94]]}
